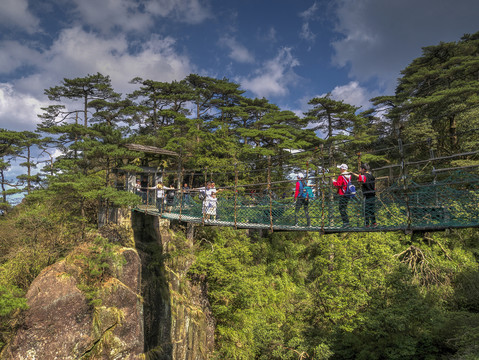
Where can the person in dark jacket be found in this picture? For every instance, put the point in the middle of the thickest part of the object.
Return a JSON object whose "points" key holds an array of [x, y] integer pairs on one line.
{"points": [[368, 186]]}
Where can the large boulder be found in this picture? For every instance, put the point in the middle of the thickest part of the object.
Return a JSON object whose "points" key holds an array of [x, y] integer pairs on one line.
{"points": [[61, 323]]}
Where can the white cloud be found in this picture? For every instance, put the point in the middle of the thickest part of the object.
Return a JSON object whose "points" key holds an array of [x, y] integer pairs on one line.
{"points": [[238, 52], [187, 11], [308, 15], [134, 15], [15, 13], [306, 33], [18, 111], [77, 53], [382, 37], [353, 94], [274, 77], [105, 15], [14, 55]]}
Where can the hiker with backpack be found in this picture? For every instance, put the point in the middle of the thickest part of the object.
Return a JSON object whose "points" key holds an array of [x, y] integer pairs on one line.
{"points": [[368, 186], [301, 197], [345, 192]]}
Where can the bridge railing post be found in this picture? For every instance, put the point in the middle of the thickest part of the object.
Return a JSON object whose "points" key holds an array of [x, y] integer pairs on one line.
{"points": [[203, 205], [181, 191], [323, 182], [236, 194], [269, 194]]}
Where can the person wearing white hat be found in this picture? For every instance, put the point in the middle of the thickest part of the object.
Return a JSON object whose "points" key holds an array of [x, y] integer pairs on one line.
{"points": [[301, 198], [341, 184]]}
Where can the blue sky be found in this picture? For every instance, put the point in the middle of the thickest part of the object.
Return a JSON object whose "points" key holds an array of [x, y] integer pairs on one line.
{"points": [[288, 51]]}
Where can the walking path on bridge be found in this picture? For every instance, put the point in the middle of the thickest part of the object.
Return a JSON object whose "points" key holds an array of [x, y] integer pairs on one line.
{"points": [[404, 206]]}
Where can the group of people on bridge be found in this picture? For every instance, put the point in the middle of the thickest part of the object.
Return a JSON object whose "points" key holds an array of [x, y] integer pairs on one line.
{"points": [[345, 192], [302, 195]]}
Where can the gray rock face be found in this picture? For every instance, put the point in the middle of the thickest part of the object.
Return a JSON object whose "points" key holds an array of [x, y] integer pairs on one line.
{"points": [[60, 323]]}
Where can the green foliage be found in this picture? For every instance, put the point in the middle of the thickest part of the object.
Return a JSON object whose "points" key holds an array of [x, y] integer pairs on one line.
{"points": [[300, 295], [98, 262], [251, 300], [11, 299]]}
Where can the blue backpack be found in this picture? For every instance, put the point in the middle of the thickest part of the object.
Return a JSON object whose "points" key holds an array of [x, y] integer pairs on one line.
{"points": [[305, 191], [350, 190], [309, 192]]}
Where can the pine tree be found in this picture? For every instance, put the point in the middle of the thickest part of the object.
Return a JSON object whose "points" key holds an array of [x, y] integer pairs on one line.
{"points": [[9, 146], [335, 119], [436, 89], [86, 89], [29, 140]]}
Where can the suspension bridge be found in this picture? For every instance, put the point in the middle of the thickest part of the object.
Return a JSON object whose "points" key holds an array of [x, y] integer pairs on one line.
{"points": [[402, 206], [424, 193]]}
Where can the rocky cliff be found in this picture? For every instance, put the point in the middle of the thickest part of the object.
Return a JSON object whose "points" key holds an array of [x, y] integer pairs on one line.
{"points": [[62, 324], [178, 322], [145, 309]]}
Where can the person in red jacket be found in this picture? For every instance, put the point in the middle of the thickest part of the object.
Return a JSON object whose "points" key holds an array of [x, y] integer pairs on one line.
{"points": [[301, 198], [340, 183]]}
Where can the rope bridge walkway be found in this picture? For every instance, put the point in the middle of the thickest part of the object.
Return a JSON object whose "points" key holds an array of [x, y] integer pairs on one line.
{"points": [[405, 205]]}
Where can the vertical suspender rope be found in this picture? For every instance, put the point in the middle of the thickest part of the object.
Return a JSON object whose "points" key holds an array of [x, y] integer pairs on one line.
{"points": [[405, 189], [236, 191], [147, 194], [362, 208], [203, 208], [434, 181], [322, 189], [269, 194], [163, 190], [181, 192]]}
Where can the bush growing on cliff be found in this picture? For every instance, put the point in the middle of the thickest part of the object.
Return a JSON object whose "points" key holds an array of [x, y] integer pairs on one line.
{"points": [[37, 233], [11, 299]]}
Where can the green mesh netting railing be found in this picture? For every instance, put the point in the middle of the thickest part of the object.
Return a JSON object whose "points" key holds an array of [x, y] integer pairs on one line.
{"points": [[404, 205]]}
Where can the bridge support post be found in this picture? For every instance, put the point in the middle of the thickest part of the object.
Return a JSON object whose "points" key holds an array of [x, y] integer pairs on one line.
{"points": [[190, 231]]}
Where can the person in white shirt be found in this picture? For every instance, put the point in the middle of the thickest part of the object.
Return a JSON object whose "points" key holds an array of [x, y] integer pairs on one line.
{"points": [[160, 196], [211, 207]]}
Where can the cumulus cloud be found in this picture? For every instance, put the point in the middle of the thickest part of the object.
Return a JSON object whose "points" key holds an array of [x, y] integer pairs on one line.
{"points": [[238, 52], [274, 77], [77, 53], [16, 13], [11, 101], [379, 38]]}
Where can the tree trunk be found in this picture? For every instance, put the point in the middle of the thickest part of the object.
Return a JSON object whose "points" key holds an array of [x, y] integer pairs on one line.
{"points": [[453, 133]]}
